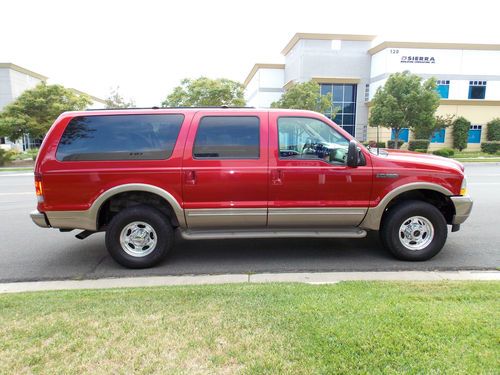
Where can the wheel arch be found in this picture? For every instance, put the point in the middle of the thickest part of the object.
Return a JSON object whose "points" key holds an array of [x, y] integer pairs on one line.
{"points": [[96, 210], [427, 192]]}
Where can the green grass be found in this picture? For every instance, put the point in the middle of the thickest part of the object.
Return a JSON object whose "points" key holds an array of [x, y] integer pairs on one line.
{"points": [[355, 327], [7, 169]]}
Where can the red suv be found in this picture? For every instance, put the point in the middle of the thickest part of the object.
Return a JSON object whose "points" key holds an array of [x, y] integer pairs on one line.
{"points": [[214, 173]]}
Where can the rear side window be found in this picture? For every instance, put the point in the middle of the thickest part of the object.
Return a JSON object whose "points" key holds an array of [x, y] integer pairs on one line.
{"points": [[227, 137], [119, 137]]}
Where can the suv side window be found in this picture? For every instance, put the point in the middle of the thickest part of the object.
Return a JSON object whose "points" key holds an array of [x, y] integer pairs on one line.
{"points": [[119, 137], [308, 138], [227, 137]]}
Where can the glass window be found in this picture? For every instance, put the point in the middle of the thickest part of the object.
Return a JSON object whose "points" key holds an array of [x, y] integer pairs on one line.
{"points": [[326, 89], [475, 134], [227, 137], [438, 136], [443, 88], [477, 89], [338, 93], [308, 138], [344, 101], [119, 137]]}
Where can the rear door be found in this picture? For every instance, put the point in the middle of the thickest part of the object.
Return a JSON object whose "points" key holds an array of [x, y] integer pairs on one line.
{"points": [[225, 170]]}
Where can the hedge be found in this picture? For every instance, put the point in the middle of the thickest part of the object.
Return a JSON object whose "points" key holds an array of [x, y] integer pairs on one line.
{"points": [[490, 147], [493, 132], [391, 144], [446, 152], [420, 144]]}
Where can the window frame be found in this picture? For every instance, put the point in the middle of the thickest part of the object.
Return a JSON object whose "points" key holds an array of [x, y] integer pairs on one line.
{"points": [[311, 159], [477, 83], [194, 157], [167, 156]]}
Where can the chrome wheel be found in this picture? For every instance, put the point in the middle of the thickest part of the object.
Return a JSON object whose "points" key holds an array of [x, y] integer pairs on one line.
{"points": [[416, 233], [138, 239]]}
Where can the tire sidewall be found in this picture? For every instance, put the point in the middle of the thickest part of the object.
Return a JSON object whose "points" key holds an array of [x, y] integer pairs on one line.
{"points": [[398, 215], [149, 215]]}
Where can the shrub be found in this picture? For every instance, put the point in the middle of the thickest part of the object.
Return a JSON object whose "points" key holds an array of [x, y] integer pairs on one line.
{"points": [[421, 144], [490, 147], [391, 144], [5, 156], [461, 128], [446, 152], [376, 144], [422, 150], [493, 132], [32, 153]]}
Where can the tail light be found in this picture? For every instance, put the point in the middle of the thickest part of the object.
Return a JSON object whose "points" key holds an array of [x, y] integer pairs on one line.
{"points": [[38, 187]]}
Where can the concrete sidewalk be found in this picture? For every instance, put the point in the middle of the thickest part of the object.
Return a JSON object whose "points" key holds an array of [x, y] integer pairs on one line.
{"points": [[310, 278]]}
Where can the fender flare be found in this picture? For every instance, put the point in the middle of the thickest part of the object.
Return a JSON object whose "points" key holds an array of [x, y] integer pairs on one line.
{"points": [[374, 215]]}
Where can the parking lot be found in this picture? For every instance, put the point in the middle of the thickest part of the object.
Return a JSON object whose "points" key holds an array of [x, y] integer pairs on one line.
{"points": [[31, 253]]}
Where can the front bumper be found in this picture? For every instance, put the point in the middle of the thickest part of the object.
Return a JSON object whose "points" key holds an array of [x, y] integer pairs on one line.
{"points": [[39, 219], [463, 207]]}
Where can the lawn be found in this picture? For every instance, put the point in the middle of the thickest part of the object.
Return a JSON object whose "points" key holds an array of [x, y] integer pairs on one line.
{"points": [[352, 327]]}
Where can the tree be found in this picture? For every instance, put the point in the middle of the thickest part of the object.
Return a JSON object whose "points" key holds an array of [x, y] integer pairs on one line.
{"points": [[427, 130], [206, 92], [115, 100], [493, 133], [404, 102], [306, 96], [34, 111], [461, 128]]}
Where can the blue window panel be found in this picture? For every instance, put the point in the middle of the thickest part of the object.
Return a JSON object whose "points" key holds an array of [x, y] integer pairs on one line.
{"points": [[443, 91], [349, 129], [438, 136], [474, 136], [403, 135], [326, 89], [349, 93], [477, 92], [338, 93], [338, 119], [347, 119]]}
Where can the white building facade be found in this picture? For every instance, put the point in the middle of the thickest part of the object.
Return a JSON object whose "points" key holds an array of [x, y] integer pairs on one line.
{"points": [[14, 80], [353, 67]]}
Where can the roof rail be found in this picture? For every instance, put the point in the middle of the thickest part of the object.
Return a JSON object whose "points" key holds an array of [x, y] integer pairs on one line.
{"points": [[180, 107]]}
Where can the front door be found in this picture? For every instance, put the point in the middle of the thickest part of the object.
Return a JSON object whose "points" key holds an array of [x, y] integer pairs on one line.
{"points": [[225, 170], [310, 183]]}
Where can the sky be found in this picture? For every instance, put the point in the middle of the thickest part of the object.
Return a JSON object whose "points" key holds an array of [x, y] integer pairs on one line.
{"points": [[146, 47]]}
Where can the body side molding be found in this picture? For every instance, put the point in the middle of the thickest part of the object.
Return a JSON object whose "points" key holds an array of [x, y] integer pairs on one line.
{"points": [[87, 219]]}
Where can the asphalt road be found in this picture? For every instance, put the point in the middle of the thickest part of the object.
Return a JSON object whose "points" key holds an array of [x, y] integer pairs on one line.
{"points": [[31, 253]]}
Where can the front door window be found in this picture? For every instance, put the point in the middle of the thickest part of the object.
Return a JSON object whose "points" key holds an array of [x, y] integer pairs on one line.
{"points": [[308, 138]]}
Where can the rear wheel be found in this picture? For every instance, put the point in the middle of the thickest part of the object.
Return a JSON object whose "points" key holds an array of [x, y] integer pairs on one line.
{"points": [[414, 230], [139, 237]]}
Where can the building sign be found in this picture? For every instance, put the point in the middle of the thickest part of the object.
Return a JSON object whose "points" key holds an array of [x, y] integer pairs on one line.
{"points": [[418, 60]]}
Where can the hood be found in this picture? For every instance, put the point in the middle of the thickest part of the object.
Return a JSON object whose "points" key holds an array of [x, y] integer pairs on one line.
{"points": [[421, 158]]}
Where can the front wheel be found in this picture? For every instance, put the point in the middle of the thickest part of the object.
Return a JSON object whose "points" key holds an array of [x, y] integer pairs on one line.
{"points": [[139, 237], [414, 230]]}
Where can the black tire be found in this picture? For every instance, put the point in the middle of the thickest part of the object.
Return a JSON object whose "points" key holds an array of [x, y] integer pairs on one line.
{"points": [[162, 233], [398, 215]]}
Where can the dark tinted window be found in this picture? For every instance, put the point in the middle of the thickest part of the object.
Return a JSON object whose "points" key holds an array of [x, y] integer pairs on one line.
{"points": [[227, 137], [119, 137]]}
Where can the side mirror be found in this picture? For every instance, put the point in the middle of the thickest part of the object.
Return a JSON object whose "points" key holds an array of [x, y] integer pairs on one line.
{"points": [[352, 154]]}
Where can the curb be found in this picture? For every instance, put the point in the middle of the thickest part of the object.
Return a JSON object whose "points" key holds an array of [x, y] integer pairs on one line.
{"points": [[309, 278]]}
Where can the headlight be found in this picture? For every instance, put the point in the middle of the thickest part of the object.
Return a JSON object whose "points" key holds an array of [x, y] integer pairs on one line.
{"points": [[463, 188]]}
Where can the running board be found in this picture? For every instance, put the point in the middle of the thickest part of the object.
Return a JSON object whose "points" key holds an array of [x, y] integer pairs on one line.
{"points": [[272, 233]]}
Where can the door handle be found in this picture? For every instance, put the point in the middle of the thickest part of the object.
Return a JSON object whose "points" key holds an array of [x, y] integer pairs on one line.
{"points": [[190, 177], [277, 177]]}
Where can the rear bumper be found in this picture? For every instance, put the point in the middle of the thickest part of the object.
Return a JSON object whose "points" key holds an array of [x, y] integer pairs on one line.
{"points": [[463, 207], [39, 219]]}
